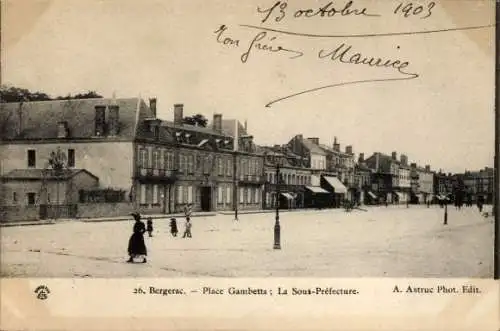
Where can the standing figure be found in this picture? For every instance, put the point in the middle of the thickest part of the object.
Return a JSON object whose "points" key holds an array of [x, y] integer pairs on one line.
{"points": [[187, 230], [136, 245], [173, 227], [149, 226], [480, 203], [187, 210]]}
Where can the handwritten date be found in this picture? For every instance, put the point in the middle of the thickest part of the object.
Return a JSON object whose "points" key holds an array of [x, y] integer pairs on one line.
{"points": [[279, 10]]}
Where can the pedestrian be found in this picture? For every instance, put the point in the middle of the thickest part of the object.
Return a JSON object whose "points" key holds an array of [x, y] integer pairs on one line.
{"points": [[480, 203], [187, 210], [173, 227], [136, 245], [187, 230], [149, 226]]}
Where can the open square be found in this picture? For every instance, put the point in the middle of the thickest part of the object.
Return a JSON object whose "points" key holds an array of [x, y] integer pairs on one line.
{"points": [[392, 241]]}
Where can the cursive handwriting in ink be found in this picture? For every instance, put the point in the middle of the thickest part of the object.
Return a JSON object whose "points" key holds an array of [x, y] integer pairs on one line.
{"points": [[225, 40], [282, 6], [257, 43], [330, 11], [341, 54], [411, 9], [268, 105]]}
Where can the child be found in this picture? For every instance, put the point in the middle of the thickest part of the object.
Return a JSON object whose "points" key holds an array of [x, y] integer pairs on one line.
{"points": [[173, 227], [150, 226], [187, 231]]}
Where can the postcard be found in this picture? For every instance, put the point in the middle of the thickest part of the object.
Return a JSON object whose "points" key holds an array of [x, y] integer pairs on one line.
{"points": [[249, 165]]}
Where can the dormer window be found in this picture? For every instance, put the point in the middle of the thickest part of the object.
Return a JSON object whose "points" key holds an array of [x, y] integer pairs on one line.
{"points": [[62, 129]]}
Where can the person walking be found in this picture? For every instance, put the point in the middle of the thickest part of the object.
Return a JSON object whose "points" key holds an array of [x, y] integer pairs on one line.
{"points": [[187, 230], [188, 210], [480, 203], [149, 226], [136, 245], [173, 227]]}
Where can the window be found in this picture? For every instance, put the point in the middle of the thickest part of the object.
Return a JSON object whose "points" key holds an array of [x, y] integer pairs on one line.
{"points": [[156, 159], [219, 195], [229, 167], [257, 195], [31, 158], [249, 195], [31, 198], [143, 158], [228, 194], [190, 165], [190, 194], [143, 194], [14, 197], [155, 194], [241, 195], [71, 158], [180, 194]]}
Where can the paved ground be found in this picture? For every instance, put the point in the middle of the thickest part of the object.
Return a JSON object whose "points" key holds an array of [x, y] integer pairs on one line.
{"points": [[383, 242]]}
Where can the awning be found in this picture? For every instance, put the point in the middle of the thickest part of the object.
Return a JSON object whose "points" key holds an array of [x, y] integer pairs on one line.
{"points": [[287, 195], [336, 184], [399, 194], [316, 189], [370, 193]]}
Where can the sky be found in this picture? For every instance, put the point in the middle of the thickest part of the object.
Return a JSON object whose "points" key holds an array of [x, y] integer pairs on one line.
{"points": [[169, 50]]}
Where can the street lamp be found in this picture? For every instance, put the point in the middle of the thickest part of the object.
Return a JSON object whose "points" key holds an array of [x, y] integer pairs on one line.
{"points": [[446, 208], [277, 227]]}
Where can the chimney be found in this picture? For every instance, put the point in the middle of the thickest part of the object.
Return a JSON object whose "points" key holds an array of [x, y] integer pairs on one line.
{"points": [[100, 119], [394, 156], [336, 146], [348, 150], [377, 161], [62, 129], [300, 137], [217, 123], [113, 119], [361, 158], [152, 106], [427, 167], [276, 147], [404, 159], [314, 140], [178, 113]]}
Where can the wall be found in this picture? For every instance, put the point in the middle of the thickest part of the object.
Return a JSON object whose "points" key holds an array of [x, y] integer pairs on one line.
{"points": [[94, 210], [318, 161], [110, 161], [19, 213]]}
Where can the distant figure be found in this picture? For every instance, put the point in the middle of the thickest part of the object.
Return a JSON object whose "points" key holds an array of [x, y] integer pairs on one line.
{"points": [[136, 245], [149, 226], [480, 203], [187, 230], [173, 227], [188, 210]]}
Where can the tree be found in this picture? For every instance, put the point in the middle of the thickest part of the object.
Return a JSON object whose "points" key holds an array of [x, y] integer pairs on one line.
{"points": [[87, 95], [17, 94], [57, 162], [197, 120]]}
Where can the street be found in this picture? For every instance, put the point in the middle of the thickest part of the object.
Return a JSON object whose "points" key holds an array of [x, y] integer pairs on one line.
{"points": [[392, 241]]}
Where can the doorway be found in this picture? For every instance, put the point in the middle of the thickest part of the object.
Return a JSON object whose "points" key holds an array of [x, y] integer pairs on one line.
{"points": [[206, 198]]}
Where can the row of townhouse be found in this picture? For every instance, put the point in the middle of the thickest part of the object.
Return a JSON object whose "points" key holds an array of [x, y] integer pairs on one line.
{"points": [[117, 156]]}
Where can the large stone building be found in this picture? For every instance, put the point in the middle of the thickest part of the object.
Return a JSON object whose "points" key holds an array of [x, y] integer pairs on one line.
{"points": [[479, 183], [160, 166], [295, 178], [385, 176]]}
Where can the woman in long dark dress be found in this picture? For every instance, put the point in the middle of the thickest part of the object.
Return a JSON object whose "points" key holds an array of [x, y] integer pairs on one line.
{"points": [[136, 245]]}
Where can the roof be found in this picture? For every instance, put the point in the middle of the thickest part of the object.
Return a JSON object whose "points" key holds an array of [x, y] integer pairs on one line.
{"points": [[40, 119], [312, 147], [193, 128], [44, 174], [229, 125]]}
